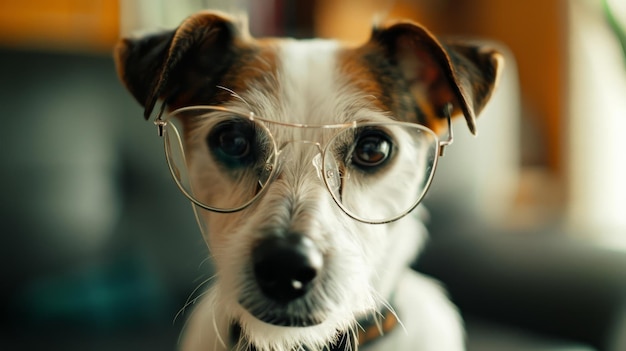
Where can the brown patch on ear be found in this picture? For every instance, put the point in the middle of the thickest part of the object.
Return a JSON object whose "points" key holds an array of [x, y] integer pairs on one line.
{"points": [[157, 66], [437, 73]]}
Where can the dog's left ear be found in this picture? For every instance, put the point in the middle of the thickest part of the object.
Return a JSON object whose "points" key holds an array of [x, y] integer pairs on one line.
{"points": [[460, 72], [162, 65]]}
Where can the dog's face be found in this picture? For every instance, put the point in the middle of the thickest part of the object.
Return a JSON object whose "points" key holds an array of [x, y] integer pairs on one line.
{"points": [[292, 267]]}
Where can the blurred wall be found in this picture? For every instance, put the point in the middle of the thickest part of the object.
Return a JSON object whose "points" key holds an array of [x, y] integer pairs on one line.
{"points": [[597, 121]]}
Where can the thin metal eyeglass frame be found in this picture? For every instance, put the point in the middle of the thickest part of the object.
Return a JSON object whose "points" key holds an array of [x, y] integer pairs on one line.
{"points": [[251, 116]]}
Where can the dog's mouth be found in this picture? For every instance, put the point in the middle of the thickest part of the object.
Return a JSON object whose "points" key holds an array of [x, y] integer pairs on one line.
{"points": [[306, 311], [283, 317]]}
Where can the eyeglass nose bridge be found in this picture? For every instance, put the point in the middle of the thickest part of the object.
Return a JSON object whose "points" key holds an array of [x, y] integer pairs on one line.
{"points": [[328, 175]]}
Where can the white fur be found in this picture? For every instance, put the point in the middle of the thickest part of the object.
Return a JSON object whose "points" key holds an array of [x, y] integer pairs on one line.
{"points": [[365, 265]]}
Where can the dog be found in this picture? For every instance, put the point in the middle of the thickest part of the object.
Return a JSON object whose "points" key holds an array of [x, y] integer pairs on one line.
{"points": [[306, 161]]}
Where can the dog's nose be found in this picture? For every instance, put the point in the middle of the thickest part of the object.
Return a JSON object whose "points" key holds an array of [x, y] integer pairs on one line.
{"points": [[285, 267]]}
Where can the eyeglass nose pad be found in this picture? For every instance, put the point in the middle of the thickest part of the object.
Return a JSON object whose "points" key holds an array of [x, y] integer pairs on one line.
{"points": [[328, 173], [265, 173]]}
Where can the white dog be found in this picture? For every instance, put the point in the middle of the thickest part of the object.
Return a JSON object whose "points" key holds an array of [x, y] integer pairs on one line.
{"points": [[305, 157]]}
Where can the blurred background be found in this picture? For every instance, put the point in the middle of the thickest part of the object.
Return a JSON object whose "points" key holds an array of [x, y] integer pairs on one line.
{"points": [[99, 250]]}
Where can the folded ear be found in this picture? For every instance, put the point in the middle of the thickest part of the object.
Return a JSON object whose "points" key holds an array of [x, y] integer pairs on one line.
{"points": [[458, 72], [151, 67]]}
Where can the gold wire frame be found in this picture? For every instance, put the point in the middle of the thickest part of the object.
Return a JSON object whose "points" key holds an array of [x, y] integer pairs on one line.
{"points": [[164, 127]]}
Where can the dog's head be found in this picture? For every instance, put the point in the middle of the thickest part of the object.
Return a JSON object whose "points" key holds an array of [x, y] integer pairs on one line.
{"points": [[293, 267]]}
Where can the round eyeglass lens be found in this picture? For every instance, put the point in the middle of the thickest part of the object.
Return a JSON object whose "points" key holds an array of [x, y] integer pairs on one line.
{"points": [[220, 160], [384, 171]]}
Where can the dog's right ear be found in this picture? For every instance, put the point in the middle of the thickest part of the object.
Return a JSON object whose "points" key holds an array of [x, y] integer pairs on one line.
{"points": [[151, 67], [464, 73]]}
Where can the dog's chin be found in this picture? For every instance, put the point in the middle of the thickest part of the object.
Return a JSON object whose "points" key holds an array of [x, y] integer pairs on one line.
{"points": [[290, 333]]}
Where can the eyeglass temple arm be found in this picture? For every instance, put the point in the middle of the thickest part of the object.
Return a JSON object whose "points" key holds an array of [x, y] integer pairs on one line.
{"points": [[447, 109]]}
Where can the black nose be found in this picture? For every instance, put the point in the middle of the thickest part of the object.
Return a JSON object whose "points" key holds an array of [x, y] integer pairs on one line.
{"points": [[285, 267]]}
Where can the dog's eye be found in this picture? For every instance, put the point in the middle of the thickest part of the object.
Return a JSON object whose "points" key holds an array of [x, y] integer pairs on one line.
{"points": [[372, 149], [232, 141]]}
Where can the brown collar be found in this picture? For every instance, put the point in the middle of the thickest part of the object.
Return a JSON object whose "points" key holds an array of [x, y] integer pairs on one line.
{"points": [[374, 328], [369, 330]]}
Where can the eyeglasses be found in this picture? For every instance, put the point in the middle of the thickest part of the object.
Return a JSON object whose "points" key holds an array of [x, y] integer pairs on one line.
{"points": [[376, 172]]}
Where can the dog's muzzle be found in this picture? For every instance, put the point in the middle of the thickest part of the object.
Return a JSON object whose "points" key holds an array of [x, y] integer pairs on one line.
{"points": [[285, 268]]}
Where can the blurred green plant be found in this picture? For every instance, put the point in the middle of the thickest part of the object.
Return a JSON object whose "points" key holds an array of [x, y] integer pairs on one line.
{"points": [[617, 21]]}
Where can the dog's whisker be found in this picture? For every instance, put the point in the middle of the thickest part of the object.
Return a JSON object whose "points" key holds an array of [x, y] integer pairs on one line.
{"points": [[235, 95], [378, 320], [218, 333], [205, 261], [353, 343], [378, 315], [343, 338], [192, 300], [392, 310], [183, 309]]}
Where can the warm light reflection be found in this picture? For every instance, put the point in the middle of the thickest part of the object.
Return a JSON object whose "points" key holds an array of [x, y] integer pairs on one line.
{"points": [[53, 24]]}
